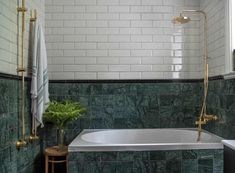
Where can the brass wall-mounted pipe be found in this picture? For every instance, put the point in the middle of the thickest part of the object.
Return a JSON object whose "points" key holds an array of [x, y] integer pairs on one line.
{"points": [[21, 70], [33, 137]]}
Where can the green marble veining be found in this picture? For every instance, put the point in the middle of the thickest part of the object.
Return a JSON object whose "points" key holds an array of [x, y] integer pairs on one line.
{"points": [[180, 161], [11, 159]]}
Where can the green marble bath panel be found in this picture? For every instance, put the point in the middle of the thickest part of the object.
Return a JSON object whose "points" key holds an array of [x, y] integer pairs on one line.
{"points": [[180, 161]]}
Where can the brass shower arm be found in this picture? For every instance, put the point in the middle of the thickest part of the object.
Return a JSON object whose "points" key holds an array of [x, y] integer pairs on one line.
{"points": [[196, 11], [205, 29], [192, 11]]}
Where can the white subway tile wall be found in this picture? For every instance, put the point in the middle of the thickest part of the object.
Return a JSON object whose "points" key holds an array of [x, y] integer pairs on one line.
{"points": [[216, 35], [9, 31], [128, 39]]}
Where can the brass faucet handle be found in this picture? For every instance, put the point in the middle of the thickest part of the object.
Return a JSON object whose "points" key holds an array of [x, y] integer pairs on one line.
{"points": [[200, 122]]}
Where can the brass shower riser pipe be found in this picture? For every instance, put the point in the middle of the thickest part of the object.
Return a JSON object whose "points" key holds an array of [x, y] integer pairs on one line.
{"points": [[204, 117], [22, 70]]}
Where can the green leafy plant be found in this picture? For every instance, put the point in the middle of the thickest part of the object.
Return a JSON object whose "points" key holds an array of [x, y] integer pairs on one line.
{"points": [[60, 113]]}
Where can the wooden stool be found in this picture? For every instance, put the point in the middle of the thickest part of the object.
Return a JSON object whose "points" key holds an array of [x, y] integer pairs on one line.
{"points": [[51, 153]]}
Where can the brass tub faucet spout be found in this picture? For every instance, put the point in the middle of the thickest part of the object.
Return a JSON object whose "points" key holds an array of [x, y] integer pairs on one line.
{"points": [[210, 117], [203, 120]]}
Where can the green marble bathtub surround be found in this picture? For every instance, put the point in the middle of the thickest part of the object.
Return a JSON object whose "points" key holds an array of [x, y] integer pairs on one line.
{"points": [[142, 105], [129, 105], [120, 105]]}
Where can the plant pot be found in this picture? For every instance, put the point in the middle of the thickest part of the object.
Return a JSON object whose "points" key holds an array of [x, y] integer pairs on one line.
{"points": [[60, 139]]}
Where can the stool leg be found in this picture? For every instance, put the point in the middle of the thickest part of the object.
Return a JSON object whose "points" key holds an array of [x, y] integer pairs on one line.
{"points": [[67, 164], [52, 166], [46, 164]]}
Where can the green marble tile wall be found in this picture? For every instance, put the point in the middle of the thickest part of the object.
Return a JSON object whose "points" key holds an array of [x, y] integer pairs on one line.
{"points": [[13, 160], [128, 105], [113, 105], [180, 161], [137, 105], [221, 102]]}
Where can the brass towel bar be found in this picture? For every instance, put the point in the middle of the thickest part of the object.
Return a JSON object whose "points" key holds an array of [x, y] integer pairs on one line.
{"points": [[33, 136], [21, 70]]}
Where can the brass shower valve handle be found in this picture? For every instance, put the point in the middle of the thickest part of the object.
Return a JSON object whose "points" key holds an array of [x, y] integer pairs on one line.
{"points": [[206, 118], [202, 122]]}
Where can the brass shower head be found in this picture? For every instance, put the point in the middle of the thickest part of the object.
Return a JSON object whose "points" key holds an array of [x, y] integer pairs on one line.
{"points": [[181, 19]]}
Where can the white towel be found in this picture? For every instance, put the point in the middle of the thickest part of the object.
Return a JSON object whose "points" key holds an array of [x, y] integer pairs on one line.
{"points": [[39, 84]]}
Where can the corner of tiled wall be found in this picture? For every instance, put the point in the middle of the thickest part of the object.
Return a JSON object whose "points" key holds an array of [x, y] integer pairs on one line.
{"points": [[215, 11], [11, 159]]}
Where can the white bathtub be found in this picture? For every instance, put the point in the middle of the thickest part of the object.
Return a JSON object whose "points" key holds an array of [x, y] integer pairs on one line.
{"points": [[143, 139]]}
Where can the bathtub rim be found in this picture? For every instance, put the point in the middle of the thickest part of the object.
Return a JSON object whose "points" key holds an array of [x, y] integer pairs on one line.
{"points": [[90, 147]]}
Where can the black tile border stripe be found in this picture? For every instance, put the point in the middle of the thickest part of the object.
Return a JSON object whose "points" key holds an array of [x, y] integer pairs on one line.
{"points": [[139, 81], [13, 77], [16, 77], [129, 81]]}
